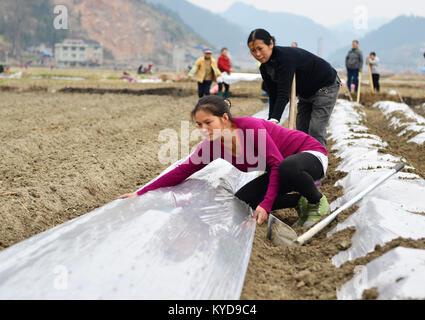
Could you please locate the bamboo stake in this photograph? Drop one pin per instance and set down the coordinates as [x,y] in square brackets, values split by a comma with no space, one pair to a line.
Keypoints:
[360,85]
[372,88]
[293,106]
[399,95]
[348,93]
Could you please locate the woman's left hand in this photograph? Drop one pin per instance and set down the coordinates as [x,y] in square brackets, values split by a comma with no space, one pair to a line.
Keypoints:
[260,215]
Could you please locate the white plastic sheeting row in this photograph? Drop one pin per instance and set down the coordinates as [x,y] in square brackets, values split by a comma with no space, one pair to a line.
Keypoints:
[191,241]
[412,122]
[398,274]
[236,77]
[389,212]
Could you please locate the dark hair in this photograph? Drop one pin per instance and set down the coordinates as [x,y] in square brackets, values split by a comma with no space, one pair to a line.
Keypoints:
[222,49]
[215,105]
[261,34]
[356,41]
[373,53]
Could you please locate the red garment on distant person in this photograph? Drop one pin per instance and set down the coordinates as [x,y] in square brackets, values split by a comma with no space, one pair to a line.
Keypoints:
[223,64]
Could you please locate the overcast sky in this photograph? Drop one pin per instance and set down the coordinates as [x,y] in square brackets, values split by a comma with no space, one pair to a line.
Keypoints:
[327,12]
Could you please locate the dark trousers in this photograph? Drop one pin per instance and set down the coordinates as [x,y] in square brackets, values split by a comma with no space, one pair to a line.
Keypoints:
[375,79]
[204,88]
[314,112]
[297,173]
[353,77]
[220,87]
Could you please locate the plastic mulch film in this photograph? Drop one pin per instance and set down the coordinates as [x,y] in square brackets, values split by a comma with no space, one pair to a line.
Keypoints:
[390,211]
[190,241]
[411,123]
[398,274]
[235,77]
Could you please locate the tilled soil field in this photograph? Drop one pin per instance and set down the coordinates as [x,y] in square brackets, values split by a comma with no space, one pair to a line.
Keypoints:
[68,149]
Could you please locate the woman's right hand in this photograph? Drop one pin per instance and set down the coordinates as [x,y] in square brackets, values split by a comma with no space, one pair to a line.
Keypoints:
[128,195]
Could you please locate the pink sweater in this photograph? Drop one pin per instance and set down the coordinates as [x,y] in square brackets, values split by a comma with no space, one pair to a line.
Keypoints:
[264,146]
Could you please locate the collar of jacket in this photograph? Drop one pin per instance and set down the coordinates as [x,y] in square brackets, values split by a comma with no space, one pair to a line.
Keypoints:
[211,59]
[272,58]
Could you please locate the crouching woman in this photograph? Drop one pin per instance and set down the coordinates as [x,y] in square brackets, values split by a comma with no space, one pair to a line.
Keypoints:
[291,159]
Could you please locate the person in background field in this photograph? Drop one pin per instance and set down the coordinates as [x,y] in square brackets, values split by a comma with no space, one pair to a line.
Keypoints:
[225,67]
[354,64]
[294,45]
[291,158]
[317,83]
[373,61]
[206,72]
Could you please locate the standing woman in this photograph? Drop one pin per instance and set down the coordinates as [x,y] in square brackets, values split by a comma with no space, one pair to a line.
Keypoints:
[225,67]
[206,72]
[292,160]
[317,83]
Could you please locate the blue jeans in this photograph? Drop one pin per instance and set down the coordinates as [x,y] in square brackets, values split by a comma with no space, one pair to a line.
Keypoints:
[353,74]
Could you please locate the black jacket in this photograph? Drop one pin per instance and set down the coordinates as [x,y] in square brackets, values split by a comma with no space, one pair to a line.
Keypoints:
[312,73]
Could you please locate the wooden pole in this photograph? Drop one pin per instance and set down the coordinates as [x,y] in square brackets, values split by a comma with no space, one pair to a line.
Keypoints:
[293,106]
[399,95]
[348,92]
[372,88]
[360,86]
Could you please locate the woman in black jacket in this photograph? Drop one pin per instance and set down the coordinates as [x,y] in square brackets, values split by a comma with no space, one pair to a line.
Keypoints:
[317,83]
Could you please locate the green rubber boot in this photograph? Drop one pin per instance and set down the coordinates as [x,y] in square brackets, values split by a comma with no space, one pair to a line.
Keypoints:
[301,208]
[220,93]
[226,95]
[316,211]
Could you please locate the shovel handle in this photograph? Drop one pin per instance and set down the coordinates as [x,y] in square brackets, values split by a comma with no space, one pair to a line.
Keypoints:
[319,226]
[399,166]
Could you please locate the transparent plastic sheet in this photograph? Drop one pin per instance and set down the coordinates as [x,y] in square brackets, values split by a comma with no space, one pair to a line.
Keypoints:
[388,212]
[177,243]
[398,274]
[190,241]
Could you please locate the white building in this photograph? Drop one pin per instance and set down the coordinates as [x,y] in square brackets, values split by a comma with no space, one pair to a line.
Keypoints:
[72,52]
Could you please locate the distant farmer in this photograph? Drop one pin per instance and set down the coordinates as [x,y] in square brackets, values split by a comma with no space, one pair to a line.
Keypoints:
[206,72]
[294,44]
[225,68]
[354,64]
[140,69]
[373,61]
[317,83]
[291,159]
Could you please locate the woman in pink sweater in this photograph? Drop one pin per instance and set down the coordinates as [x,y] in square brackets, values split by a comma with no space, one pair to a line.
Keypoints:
[291,159]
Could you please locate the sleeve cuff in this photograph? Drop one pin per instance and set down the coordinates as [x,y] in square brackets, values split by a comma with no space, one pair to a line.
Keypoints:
[265,207]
